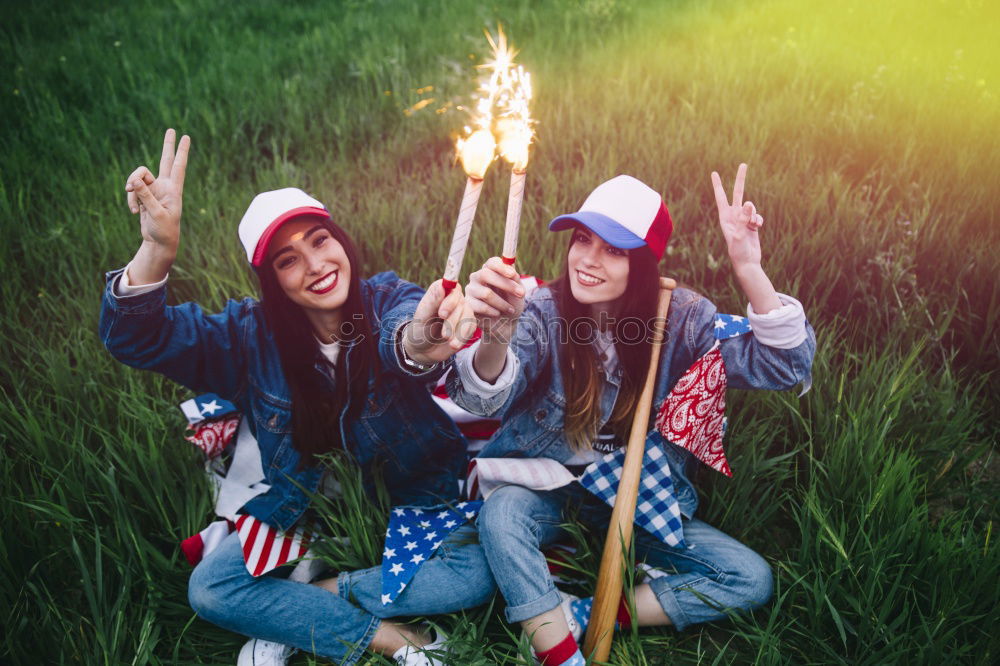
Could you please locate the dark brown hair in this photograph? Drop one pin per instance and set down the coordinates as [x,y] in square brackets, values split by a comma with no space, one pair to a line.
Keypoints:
[635,311]
[316,409]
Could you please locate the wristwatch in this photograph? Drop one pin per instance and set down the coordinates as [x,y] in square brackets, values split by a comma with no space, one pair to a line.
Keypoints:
[407,361]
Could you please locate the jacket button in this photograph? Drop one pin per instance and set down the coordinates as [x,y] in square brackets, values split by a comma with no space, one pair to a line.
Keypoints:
[541,414]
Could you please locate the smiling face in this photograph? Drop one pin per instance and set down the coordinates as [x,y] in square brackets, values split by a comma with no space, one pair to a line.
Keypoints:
[598,272]
[311,266]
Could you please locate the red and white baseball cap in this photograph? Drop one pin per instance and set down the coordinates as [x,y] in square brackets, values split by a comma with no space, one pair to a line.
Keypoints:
[626,213]
[268,211]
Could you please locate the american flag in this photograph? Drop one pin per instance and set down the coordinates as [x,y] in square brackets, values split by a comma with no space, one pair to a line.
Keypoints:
[693,415]
[264,547]
[411,539]
[730,326]
[207,406]
[488,474]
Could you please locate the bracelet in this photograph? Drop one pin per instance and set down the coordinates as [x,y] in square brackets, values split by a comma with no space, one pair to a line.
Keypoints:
[407,361]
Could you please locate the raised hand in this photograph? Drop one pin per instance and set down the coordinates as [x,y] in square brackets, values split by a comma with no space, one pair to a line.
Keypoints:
[158,204]
[739,221]
[496,298]
[441,325]
[158,200]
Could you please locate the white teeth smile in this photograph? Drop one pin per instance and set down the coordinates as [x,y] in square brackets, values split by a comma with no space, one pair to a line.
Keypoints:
[324,283]
[588,279]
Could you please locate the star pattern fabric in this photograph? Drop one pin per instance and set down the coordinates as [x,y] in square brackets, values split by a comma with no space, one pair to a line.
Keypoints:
[656,509]
[693,415]
[206,406]
[730,326]
[411,539]
[581,609]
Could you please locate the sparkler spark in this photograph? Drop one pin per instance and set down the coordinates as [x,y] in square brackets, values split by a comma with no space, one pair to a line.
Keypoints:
[476,153]
[502,106]
[501,110]
[509,94]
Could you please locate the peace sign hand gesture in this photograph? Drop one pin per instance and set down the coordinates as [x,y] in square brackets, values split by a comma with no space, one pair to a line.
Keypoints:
[158,200]
[739,221]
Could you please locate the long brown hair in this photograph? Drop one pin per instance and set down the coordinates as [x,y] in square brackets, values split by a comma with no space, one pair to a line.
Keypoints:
[631,331]
[315,409]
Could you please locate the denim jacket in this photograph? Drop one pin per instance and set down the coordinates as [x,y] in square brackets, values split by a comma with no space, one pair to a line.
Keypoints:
[533,407]
[400,433]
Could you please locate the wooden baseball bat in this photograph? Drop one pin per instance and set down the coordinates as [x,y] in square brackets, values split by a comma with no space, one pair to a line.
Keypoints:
[609,580]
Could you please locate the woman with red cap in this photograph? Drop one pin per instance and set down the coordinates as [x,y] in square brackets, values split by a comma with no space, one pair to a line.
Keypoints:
[564,371]
[325,362]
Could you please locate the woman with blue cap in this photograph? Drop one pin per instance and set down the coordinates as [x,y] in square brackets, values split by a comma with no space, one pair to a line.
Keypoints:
[564,369]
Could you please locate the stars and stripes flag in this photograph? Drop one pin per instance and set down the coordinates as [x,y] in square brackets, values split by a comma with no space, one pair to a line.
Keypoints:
[212,422]
[730,326]
[411,539]
[488,474]
[265,548]
[206,406]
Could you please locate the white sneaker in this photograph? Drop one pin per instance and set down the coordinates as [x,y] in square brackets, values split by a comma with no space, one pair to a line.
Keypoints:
[574,626]
[257,652]
[411,655]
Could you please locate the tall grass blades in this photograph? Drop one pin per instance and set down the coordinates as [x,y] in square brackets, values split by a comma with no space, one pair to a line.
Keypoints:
[871,134]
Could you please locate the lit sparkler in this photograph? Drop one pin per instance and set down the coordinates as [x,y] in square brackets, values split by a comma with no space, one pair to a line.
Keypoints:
[500,110]
[510,86]
[476,152]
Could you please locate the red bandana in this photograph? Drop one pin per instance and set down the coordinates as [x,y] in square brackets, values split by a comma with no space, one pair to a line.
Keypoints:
[693,415]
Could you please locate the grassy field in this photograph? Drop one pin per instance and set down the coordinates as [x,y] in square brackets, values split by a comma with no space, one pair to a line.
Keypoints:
[871,133]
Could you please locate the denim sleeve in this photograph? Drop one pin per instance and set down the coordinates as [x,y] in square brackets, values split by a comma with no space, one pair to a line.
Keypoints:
[202,352]
[531,347]
[393,303]
[751,364]
[472,382]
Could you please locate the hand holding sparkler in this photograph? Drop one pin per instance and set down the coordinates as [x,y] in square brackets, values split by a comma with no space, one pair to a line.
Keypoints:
[442,324]
[495,297]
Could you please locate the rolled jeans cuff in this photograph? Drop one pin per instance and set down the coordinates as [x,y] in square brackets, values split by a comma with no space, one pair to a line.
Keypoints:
[543,604]
[668,602]
[356,650]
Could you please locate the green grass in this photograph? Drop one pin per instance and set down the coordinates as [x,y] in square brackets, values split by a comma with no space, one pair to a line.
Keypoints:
[871,133]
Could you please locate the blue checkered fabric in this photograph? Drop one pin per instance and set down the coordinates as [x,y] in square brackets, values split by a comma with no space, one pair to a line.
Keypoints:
[730,326]
[656,509]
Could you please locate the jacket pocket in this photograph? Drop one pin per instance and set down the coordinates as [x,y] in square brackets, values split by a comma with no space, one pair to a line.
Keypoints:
[548,413]
[384,423]
[271,414]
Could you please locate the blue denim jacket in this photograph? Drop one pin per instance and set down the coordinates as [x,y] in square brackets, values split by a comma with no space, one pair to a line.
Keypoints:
[400,434]
[533,408]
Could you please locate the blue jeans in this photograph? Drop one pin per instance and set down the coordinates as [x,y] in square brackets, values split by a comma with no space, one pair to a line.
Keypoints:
[336,626]
[713,575]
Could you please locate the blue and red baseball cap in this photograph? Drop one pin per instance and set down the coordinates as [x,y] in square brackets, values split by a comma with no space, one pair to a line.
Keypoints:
[626,213]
